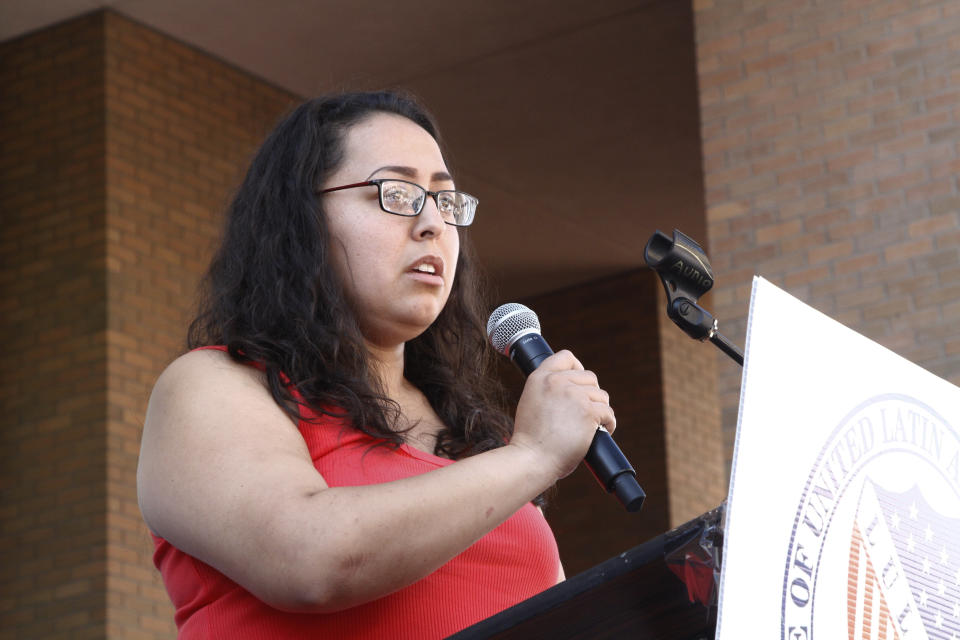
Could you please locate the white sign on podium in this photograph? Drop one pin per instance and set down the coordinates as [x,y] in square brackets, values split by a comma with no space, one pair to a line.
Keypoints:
[843,520]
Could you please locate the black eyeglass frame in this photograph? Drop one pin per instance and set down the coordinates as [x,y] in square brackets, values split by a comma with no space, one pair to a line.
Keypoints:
[377,182]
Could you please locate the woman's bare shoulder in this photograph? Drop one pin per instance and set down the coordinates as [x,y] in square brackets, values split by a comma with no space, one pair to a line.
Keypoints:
[206,374]
[204,363]
[219,458]
[207,394]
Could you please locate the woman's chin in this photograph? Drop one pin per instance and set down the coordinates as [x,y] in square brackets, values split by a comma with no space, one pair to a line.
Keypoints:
[400,329]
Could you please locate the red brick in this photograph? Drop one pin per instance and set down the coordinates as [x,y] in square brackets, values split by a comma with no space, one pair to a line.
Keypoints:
[840,24]
[885,45]
[752,185]
[745,87]
[902,79]
[899,182]
[751,221]
[848,125]
[775,162]
[806,276]
[891,144]
[869,68]
[828,183]
[814,221]
[928,191]
[790,40]
[872,101]
[915,18]
[887,309]
[932,226]
[804,241]
[719,145]
[877,170]
[725,211]
[874,135]
[906,250]
[765,31]
[934,157]
[800,174]
[947,169]
[944,133]
[853,229]
[947,100]
[800,105]
[825,116]
[731,42]
[823,149]
[861,297]
[774,129]
[814,50]
[856,263]
[747,120]
[770,96]
[768,63]
[895,114]
[809,203]
[926,122]
[720,77]
[754,255]
[829,252]
[775,232]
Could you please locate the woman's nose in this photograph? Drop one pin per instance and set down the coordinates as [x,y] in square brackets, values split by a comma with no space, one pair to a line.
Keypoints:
[429,223]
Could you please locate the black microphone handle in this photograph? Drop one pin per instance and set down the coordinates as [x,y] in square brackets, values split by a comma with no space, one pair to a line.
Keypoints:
[604,458]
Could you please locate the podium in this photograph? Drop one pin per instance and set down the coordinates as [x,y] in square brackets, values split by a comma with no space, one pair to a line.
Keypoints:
[665,588]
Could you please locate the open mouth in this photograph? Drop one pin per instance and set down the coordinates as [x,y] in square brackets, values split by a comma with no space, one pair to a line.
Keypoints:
[428,265]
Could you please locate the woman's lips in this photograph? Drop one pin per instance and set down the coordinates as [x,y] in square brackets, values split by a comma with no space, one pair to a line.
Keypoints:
[428,269]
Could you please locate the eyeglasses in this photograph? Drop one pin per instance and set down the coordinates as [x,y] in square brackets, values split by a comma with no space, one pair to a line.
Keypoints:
[403,198]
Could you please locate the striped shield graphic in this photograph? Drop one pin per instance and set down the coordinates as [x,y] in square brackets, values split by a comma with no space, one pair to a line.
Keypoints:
[903,578]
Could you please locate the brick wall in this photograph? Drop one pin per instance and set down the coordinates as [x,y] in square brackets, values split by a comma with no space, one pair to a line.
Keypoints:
[53,317]
[118,152]
[181,127]
[830,148]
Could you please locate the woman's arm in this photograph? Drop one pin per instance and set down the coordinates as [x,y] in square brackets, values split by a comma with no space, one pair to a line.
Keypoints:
[225,476]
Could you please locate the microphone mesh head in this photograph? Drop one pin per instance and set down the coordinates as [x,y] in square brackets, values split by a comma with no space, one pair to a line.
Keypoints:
[508,322]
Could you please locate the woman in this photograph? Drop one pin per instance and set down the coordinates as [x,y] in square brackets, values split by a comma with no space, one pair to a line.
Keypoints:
[336,465]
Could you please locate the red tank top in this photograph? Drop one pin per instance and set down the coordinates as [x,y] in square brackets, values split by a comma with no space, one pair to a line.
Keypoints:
[513,562]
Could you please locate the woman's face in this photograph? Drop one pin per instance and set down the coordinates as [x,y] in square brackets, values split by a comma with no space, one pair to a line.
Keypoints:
[396,271]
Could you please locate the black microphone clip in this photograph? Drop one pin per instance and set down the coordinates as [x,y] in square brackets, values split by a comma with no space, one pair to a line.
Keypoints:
[686,275]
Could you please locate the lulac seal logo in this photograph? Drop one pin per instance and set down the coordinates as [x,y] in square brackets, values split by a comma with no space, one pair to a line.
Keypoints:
[875,548]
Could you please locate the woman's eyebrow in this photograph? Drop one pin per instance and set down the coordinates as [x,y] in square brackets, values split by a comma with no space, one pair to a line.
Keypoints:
[410,172]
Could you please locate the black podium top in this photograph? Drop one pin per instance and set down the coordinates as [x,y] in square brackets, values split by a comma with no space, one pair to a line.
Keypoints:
[665,588]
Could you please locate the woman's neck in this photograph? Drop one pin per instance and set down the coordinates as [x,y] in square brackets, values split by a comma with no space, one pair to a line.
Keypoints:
[418,420]
[386,363]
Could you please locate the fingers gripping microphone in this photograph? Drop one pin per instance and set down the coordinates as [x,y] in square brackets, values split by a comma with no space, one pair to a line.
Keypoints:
[514,331]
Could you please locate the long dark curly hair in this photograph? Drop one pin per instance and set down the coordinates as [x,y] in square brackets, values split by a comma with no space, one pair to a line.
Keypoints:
[271,296]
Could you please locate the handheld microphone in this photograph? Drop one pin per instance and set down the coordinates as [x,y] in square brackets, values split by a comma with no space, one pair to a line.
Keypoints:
[514,331]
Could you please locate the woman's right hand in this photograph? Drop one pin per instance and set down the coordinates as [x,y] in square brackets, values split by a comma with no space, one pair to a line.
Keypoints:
[561,407]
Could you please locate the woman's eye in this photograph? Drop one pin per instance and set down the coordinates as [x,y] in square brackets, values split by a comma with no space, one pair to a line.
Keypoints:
[395,195]
[446,205]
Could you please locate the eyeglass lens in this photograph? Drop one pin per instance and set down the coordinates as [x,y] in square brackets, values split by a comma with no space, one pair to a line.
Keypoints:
[406,199]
